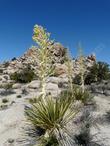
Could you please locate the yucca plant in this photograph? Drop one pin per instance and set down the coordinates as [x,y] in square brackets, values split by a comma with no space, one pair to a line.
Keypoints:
[84,96]
[50,114]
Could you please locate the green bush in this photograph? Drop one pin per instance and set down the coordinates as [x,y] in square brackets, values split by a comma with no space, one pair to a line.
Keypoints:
[76,94]
[85,96]
[98,72]
[19,96]
[24,76]
[77,79]
[8,86]
[4,100]
[1,70]
[6,64]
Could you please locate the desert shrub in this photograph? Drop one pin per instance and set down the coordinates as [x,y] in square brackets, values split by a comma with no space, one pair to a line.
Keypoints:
[3,107]
[77,79]
[4,100]
[8,89]
[24,76]
[85,96]
[6,64]
[19,96]
[8,86]
[98,72]
[13,59]
[84,136]
[76,94]
[1,71]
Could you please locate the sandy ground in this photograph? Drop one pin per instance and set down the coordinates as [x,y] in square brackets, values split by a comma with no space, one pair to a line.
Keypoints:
[102,132]
[12,120]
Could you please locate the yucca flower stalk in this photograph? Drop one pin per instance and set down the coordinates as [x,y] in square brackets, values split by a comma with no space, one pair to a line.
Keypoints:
[69,65]
[42,38]
[81,66]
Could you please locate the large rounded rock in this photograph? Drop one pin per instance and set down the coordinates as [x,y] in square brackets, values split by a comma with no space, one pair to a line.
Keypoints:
[60,69]
[34,84]
[107,92]
[54,80]
[51,86]
[2,90]
[52,89]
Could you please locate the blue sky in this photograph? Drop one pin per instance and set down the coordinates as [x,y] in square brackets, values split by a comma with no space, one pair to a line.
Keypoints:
[69,21]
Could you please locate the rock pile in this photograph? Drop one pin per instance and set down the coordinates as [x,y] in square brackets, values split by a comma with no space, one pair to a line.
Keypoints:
[31,58]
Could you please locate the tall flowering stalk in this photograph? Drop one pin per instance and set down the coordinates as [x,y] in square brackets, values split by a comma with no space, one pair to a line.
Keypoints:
[82,67]
[42,38]
[69,65]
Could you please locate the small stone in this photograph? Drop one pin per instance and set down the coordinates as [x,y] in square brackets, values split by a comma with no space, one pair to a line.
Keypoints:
[6,77]
[16,86]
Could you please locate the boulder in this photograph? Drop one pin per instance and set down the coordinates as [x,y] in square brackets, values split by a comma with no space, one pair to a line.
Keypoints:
[6,77]
[34,84]
[52,89]
[52,86]
[60,69]
[107,92]
[53,80]
[58,50]
[2,90]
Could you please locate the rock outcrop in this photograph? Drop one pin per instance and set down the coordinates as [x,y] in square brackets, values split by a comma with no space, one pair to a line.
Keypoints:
[30,57]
